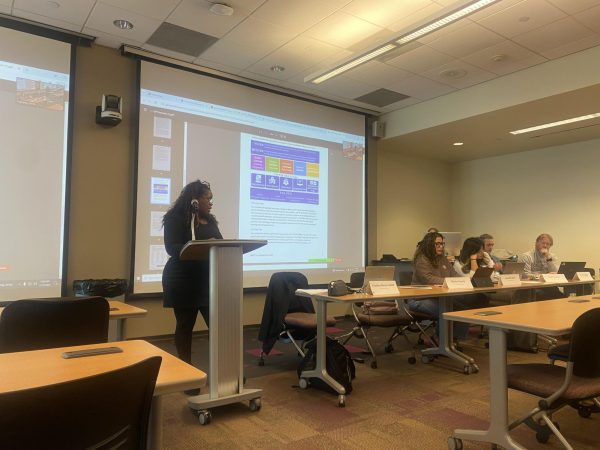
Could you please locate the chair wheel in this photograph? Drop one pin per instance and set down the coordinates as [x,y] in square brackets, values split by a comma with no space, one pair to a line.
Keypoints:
[426,359]
[303,383]
[373,364]
[420,341]
[341,400]
[204,417]
[255,404]
[261,362]
[455,443]
[389,348]
[584,411]
[412,360]
[542,436]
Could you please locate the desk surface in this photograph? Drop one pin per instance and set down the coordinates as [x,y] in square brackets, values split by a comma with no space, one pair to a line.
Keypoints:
[549,317]
[23,370]
[433,291]
[119,310]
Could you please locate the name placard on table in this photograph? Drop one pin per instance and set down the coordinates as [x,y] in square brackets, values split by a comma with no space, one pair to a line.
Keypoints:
[554,278]
[509,280]
[382,288]
[583,276]
[457,283]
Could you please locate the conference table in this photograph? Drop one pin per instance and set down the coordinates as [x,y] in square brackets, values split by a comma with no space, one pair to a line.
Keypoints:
[25,370]
[445,346]
[549,317]
[118,312]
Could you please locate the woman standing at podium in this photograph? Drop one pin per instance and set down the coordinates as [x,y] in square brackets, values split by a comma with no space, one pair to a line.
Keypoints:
[186,283]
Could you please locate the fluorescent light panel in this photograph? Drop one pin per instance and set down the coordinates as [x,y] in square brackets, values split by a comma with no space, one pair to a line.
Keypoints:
[556,124]
[452,17]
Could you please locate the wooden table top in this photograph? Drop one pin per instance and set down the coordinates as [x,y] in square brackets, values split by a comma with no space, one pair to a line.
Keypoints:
[549,317]
[432,291]
[23,370]
[119,310]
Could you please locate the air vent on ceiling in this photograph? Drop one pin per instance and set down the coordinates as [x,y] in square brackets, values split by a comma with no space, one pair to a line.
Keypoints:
[381,97]
[182,40]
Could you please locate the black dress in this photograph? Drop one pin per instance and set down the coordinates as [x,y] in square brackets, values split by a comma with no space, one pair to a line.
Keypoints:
[185,283]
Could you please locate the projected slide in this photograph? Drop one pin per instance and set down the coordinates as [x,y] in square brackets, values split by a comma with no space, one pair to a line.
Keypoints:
[281,169]
[34,98]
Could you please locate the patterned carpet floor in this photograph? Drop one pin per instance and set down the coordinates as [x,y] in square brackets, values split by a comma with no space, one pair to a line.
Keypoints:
[396,406]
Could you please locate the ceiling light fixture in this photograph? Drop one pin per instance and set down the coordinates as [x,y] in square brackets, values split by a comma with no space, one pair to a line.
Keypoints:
[277,68]
[123,24]
[458,144]
[221,9]
[556,124]
[448,18]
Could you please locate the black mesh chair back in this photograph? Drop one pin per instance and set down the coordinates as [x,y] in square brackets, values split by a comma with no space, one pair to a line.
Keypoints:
[36,324]
[357,279]
[585,347]
[106,411]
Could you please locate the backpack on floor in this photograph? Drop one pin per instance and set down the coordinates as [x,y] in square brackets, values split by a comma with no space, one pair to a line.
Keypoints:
[338,362]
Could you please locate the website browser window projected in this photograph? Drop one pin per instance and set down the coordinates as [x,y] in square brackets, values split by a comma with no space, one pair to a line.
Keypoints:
[281,169]
[34,100]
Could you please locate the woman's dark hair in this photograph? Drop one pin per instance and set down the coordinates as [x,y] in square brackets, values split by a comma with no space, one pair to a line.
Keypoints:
[183,204]
[427,248]
[471,246]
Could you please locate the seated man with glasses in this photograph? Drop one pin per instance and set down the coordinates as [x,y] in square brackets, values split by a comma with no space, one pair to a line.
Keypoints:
[431,267]
[539,261]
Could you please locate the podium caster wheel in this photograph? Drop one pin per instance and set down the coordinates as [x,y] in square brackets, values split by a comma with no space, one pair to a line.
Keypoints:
[341,400]
[303,383]
[204,417]
[255,404]
[454,443]
[412,360]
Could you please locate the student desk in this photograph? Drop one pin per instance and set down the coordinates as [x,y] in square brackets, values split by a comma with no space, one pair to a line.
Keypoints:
[118,312]
[550,317]
[24,370]
[446,343]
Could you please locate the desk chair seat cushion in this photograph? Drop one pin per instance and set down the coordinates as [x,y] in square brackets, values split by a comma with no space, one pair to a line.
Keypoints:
[304,320]
[383,320]
[559,352]
[543,380]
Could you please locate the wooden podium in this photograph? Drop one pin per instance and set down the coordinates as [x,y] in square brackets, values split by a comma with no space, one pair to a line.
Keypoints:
[225,374]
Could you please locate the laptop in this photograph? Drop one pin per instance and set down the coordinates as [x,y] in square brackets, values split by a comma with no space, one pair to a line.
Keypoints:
[513,267]
[568,268]
[378,273]
[483,277]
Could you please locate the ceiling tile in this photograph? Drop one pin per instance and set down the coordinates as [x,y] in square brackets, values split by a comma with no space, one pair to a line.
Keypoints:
[216,66]
[342,30]
[384,12]
[553,35]
[110,40]
[401,104]
[195,15]
[271,36]
[297,16]
[522,17]
[233,54]
[5,9]
[48,20]
[407,23]
[420,59]
[297,55]
[573,46]
[103,15]
[169,53]
[466,40]
[345,87]
[493,9]
[71,11]
[503,58]
[6,3]
[421,87]
[574,6]
[590,18]
[156,9]
[377,74]
[459,74]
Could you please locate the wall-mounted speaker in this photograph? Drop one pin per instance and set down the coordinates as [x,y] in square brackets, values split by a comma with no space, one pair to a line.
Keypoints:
[378,129]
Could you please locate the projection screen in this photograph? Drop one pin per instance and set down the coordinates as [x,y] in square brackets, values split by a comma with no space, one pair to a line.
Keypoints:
[281,169]
[34,105]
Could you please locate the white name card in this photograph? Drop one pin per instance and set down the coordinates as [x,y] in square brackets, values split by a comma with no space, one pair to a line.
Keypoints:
[383,288]
[509,280]
[457,283]
[583,276]
[554,278]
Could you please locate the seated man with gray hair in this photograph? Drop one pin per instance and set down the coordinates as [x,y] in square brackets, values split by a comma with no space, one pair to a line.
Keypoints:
[539,261]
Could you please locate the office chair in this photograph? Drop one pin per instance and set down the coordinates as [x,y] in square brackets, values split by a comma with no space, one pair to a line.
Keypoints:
[36,324]
[105,411]
[287,316]
[385,314]
[559,386]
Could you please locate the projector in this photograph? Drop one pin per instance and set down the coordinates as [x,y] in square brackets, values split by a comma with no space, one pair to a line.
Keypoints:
[109,113]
